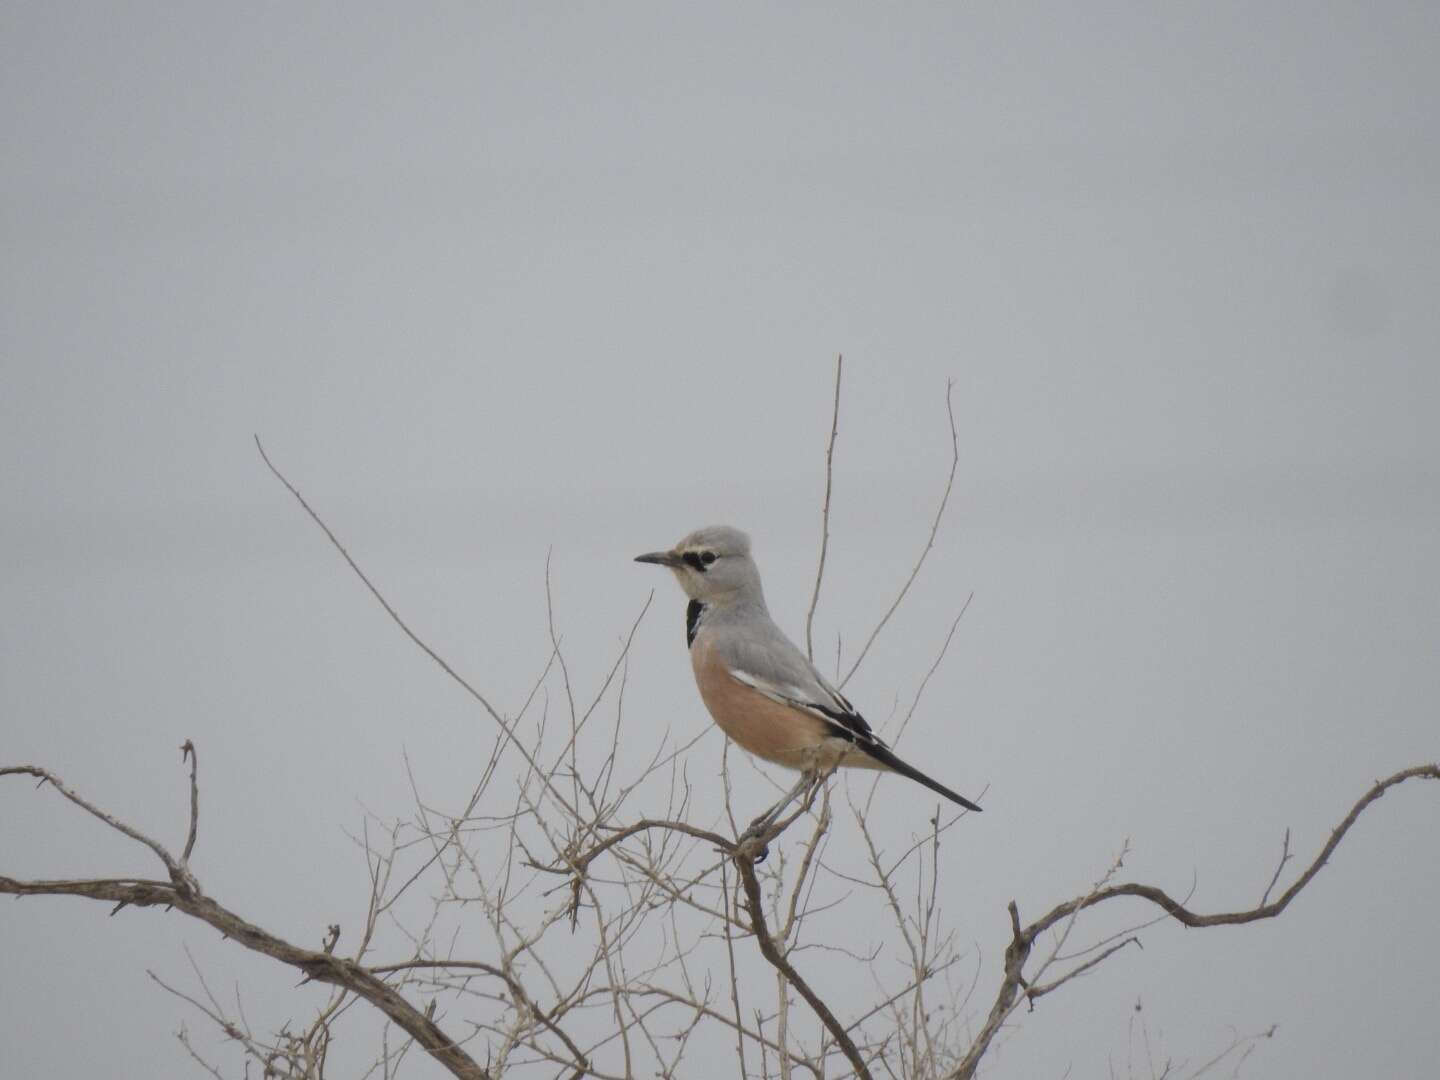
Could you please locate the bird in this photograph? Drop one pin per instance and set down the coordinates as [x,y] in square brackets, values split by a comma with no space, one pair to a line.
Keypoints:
[761,690]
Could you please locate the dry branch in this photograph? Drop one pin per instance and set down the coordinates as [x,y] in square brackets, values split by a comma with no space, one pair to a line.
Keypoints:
[183,893]
[929,542]
[1023,939]
[825,512]
[564,818]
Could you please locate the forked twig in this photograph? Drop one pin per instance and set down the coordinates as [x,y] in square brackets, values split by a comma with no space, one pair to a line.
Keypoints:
[1285,857]
[1023,939]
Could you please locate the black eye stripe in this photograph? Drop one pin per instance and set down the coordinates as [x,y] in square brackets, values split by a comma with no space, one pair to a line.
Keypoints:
[699,560]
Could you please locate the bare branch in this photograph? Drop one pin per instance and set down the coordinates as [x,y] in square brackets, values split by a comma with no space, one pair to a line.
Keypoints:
[1264,911]
[1244,1043]
[181,893]
[395,617]
[179,876]
[756,907]
[929,541]
[1041,990]
[632,987]
[1022,940]
[1284,858]
[825,512]
[735,983]
[183,1037]
[187,750]
[582,862]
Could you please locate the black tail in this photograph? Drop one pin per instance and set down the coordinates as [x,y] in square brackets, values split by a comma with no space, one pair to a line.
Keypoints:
[883,755]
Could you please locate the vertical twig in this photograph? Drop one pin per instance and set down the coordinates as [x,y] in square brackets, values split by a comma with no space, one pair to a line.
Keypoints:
[824,512]
[746,865]
[734,982]
[187,752]
[1284,858]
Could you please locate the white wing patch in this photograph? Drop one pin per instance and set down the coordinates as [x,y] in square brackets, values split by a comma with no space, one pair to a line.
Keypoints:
[838,713]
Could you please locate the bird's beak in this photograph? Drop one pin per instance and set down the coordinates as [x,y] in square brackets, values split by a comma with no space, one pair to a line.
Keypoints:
[661,558]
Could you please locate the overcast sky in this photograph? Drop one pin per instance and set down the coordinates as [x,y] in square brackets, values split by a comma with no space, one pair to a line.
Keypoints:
[492,281]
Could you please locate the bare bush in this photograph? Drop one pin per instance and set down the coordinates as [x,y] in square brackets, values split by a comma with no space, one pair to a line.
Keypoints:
[567,917]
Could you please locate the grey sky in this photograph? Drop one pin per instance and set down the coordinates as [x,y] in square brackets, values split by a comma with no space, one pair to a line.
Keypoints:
[495,280]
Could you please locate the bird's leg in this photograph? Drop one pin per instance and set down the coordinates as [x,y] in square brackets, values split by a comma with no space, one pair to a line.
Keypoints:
[762,824]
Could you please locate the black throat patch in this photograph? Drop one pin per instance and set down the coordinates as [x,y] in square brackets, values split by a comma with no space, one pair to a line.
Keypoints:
[692,621]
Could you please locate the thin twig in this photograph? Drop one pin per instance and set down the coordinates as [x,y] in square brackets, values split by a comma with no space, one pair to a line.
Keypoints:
[1039,991]
[825,511]
[756,907]
[1246,1041]
[178,874]
[415,638]
[929,540]
[187,750]
[184,1038]
[920,691]
[1284,858]
[734,981]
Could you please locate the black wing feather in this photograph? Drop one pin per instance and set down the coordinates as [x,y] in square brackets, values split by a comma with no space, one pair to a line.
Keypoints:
[852,727]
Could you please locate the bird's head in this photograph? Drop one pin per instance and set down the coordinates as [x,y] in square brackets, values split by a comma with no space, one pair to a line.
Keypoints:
[713,565]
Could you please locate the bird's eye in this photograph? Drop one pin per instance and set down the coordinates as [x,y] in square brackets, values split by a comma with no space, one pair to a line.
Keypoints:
[707,557]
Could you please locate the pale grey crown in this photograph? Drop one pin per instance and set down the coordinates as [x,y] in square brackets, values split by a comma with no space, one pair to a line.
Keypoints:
[720,539]
[713,566]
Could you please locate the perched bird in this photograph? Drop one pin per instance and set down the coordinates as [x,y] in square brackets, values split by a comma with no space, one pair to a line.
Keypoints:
[762,690]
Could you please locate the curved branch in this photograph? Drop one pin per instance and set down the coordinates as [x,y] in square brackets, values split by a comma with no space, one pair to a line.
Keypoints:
[189,753]
[322,967]
[1023,939]
[744,853]
[756,906]
[178,875]
[1189,918]
[184,894]
[582,862]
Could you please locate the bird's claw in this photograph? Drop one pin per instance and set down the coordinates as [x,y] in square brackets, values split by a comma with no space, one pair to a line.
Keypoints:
[752,841]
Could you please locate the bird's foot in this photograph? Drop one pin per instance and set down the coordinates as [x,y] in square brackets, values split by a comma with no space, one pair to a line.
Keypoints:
[753,841]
